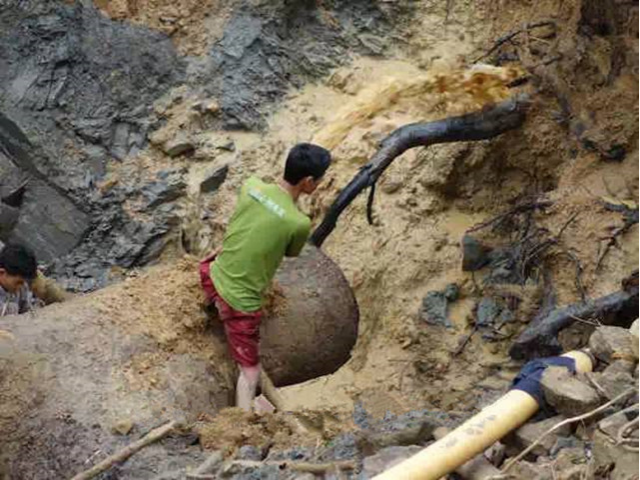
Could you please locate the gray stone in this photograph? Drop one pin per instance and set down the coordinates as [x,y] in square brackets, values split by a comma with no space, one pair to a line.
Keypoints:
[613,382]
[488,312]
[249,470]
[563,443]
[169,186]
[566,393]
[49,223]
[385,459]
[214,179]
[529,471]
[179,145]
[606,453]
[435,305]
[610,343]
[529,433]
[611,424]
[43,219]
[80,113]
[620,366]
[249,452]
[475,255]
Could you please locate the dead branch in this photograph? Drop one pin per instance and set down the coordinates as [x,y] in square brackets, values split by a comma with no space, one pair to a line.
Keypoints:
[465,341]
[630,217]
[273,395]
[307,467]
[482,125]
[612,240]
[524,207]
[510,36]
[122,455]
[568,421]
[623,440]
[539,339]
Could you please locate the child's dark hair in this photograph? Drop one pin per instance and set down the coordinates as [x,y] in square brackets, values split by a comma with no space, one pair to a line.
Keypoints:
[306,160]
[19,260]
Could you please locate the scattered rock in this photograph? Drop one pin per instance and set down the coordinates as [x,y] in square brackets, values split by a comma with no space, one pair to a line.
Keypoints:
[528,470]
[123,427]
[385,459]
[412,428]
[249,452]
[606,454]
[610,343]
[169,186]
[571,464]
[214,180]
[566,443]
[612,424]
[488,312]
[475,255]
[566,393]
[240,470]
[613,381]
[435,305]
[179,145]
[530,432]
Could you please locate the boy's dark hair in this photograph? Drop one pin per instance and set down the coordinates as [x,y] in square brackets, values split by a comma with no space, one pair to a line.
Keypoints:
[306,160]
[19,260]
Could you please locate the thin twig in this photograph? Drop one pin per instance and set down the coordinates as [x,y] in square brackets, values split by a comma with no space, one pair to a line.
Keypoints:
[517,209]
[622,440]
[596,385]
[308,467]
[269,390]
[465,341]
[122,455]
[591,413]
[595,323]
[509,36]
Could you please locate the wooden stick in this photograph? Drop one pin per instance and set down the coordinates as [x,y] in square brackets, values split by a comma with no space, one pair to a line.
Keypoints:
[321,467]
[307,467]
[122,455]
[271,392]
[273,395]
[591,413]
[206,468]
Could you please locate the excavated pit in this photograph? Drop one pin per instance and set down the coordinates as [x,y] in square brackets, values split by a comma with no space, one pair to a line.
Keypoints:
[577,150]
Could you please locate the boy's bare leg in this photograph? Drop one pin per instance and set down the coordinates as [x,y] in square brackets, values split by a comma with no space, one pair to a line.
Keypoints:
[247,386]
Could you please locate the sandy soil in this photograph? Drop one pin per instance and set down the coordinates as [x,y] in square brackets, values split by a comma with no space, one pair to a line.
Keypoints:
[430,197]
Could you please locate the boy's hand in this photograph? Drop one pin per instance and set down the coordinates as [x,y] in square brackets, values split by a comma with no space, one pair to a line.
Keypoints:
[211,255]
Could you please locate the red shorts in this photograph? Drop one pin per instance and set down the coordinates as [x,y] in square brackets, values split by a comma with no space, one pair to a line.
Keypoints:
[242,328]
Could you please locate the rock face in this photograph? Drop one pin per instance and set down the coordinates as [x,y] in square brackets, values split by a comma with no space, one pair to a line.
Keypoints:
[75,377]
[77,93]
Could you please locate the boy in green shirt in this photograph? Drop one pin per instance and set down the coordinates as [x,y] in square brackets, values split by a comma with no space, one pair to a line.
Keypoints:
[265,227]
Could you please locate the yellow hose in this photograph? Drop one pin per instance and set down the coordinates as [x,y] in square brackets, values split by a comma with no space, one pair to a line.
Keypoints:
[475,435]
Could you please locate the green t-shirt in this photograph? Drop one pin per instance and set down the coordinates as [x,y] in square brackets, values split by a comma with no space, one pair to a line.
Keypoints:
[265,227]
